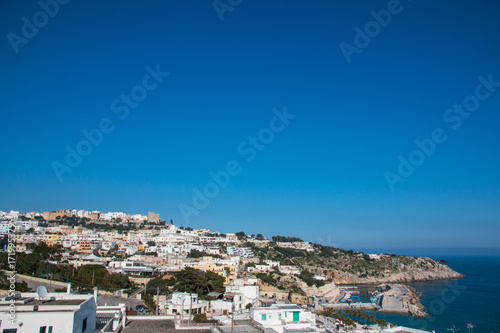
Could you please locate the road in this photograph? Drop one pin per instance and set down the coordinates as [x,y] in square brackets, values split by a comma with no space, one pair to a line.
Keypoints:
[35,284]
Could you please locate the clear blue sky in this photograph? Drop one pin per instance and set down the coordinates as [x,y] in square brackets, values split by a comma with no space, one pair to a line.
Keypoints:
[323,177]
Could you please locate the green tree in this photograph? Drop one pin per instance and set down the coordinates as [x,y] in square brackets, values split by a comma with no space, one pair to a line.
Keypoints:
[195,281]
[286,239]
[96,275]
[241,235]
[158,282]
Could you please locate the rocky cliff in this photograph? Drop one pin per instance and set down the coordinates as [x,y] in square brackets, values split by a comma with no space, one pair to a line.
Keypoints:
[351,267]
[424,269]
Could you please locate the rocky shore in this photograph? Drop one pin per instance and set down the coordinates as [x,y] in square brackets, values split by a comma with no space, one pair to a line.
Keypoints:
[399,298]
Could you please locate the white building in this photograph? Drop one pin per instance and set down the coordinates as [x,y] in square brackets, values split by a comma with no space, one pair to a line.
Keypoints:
[284,318]
[55,313]
[130,249]
[290,270]
[249,289]
[184,299]
[31,215]
[138,217]
[403,329]
[131,267]
[272,263]
[108,245]
[244,252]
[113,215]
[80,213]
[259,268]
[183,304]
[4,228]
[232,238]
[209,240]
[374,256]
[13,215]
[231,302]
[213,250]
[306,246]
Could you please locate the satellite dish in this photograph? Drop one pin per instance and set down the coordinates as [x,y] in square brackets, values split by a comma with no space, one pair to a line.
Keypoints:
[41,291]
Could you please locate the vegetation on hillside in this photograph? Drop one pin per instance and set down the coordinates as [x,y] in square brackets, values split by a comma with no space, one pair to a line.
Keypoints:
[188,280]
[286,239]
[333,262]
[37,264]
[5,284]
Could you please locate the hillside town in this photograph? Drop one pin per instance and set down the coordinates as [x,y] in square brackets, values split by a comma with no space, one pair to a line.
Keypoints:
[155,268]
[159,248]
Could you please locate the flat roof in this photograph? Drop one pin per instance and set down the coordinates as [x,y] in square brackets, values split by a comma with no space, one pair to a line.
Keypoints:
[167,326]
[289,307]
[28,301]
[57,302]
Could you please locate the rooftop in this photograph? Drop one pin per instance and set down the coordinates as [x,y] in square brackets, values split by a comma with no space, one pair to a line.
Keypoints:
[156,326]
[26,301]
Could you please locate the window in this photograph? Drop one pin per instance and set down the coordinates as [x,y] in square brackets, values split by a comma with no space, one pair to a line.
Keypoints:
[263,317]
[43,329]
[279,317]
[50,329]
[84,326]
[10,330]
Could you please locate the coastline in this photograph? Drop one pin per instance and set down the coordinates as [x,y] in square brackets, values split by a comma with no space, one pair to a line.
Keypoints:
[401,299]
[404,277]
[459,276]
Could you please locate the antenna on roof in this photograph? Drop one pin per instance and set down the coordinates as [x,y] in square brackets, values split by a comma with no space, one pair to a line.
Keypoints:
[41,291]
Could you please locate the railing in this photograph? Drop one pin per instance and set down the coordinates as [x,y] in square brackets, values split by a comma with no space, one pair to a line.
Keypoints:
[215,329]
[136,292]
[107,327]
[180,324]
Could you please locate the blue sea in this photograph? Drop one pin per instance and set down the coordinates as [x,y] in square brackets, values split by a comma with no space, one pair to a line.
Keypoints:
[474,299]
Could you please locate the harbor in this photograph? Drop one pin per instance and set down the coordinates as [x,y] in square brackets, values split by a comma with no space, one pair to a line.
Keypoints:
[389,298]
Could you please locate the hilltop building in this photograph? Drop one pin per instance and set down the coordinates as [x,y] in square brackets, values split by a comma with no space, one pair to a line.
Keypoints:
[48,216]
[152,217]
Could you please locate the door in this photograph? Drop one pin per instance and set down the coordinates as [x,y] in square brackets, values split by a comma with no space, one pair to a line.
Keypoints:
[296,316]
